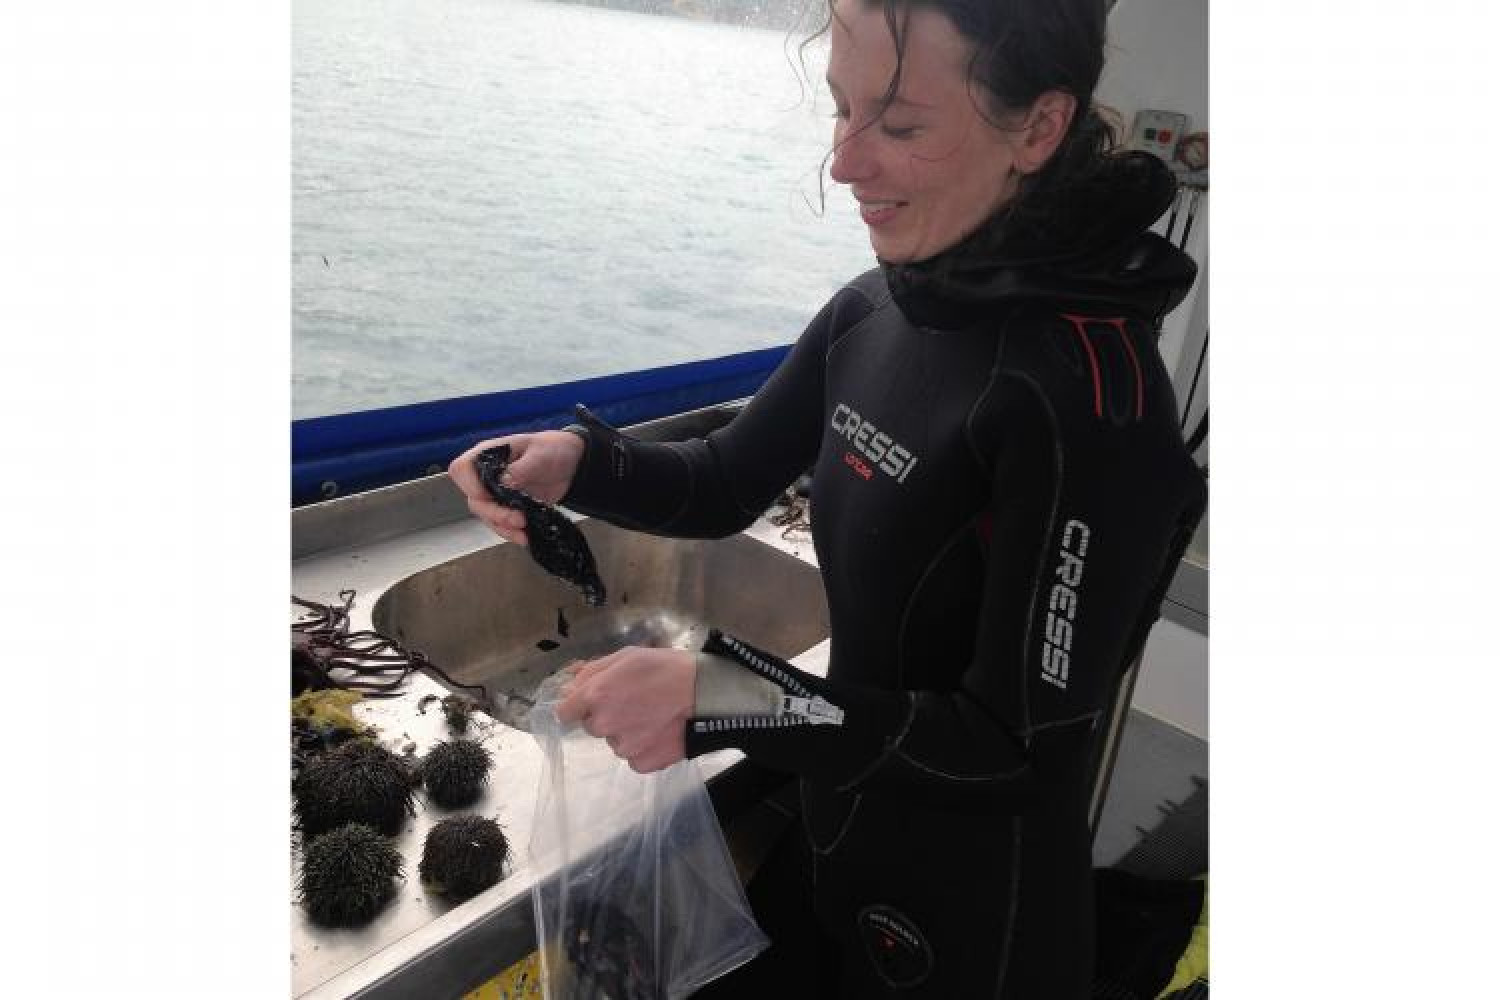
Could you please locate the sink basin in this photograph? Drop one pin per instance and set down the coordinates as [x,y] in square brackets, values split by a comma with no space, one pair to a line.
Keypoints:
[495,618]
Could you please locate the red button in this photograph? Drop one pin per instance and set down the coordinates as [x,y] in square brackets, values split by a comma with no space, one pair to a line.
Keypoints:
[1165,135]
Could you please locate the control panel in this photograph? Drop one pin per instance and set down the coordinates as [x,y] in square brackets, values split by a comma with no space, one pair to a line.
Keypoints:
[1157,132]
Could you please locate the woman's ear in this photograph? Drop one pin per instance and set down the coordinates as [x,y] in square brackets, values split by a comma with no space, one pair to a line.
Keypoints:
[1043,129]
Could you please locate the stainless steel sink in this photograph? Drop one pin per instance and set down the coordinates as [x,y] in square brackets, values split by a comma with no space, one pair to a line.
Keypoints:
[492,617]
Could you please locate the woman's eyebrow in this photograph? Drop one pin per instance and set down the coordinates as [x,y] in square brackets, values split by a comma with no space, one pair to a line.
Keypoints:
[896,101]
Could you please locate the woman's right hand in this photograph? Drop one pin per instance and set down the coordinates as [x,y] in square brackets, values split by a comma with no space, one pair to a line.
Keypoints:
[542,465]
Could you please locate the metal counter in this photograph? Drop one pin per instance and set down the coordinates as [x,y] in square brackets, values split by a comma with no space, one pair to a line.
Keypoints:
[420,945]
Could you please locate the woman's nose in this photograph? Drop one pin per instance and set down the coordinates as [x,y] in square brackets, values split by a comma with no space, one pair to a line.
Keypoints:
[852,162]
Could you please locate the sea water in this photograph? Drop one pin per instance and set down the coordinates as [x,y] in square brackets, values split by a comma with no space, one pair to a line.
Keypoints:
[490,194]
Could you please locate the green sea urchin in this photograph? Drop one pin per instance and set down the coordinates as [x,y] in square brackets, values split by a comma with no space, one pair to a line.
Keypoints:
[309,739]
[455,773]
[463,856]
[356,782]
[348,874]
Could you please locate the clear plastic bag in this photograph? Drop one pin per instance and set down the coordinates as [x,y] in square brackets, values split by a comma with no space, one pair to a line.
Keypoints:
[645,903]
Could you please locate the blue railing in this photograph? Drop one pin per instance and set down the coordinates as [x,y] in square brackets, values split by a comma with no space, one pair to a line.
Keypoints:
[352,452]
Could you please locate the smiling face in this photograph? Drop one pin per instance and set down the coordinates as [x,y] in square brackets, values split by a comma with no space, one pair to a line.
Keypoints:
[926,168]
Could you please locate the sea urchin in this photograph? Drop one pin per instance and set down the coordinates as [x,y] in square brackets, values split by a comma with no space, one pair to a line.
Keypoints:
[463,856]
[348,874]
[356,782]
[455,773]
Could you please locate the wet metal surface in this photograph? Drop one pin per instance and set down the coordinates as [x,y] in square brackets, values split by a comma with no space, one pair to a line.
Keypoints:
[479,607]
[493,618]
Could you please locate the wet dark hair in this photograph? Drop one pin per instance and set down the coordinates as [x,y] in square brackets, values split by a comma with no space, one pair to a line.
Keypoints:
[1022,49]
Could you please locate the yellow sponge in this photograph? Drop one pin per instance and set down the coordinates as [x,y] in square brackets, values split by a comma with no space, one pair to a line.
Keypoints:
[1193,964]
[328,708]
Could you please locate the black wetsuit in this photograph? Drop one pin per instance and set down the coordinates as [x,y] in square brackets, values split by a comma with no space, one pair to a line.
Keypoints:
[1000,496]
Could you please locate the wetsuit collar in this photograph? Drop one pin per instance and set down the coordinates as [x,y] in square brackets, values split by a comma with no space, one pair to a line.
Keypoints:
[1094,247]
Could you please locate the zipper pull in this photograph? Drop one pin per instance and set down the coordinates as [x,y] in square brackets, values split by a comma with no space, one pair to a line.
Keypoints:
[815,710]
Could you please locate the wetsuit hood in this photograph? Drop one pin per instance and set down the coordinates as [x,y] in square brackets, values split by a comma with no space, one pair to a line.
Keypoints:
[1092,245]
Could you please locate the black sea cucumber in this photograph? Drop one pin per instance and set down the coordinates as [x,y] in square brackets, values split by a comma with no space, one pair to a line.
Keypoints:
[555,542]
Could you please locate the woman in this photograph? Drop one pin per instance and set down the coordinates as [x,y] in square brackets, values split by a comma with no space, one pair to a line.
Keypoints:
[1000,495]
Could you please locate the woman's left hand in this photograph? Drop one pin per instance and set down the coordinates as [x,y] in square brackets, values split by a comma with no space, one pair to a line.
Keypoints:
[638,699]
